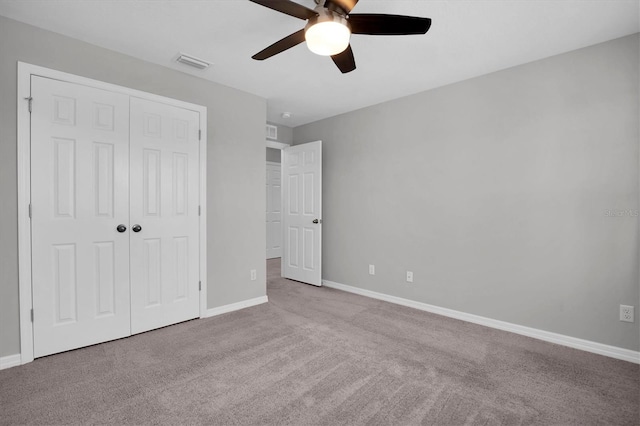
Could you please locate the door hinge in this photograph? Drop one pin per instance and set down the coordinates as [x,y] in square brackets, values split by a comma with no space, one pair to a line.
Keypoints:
[31,315]
[199,134]
[30,100]
[198,210]
[199,285]
[29,211]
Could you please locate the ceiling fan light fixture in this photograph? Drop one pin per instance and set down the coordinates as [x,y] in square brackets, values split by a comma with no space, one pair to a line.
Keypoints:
[327,34]
[330,25]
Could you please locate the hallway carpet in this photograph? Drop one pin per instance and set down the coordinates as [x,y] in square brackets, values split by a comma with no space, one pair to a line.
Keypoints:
[322,356]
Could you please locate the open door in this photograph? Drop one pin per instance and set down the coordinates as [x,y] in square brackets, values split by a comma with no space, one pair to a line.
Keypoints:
[302,213]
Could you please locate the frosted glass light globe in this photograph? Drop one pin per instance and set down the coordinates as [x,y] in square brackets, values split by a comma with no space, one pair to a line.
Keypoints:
[327,38]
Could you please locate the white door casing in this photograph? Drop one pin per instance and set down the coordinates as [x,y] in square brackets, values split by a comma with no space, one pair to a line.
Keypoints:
[80,194]
[164,204]
[302,213]
[274,210]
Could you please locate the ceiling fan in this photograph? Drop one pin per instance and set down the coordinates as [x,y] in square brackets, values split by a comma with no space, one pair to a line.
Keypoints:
[330,25]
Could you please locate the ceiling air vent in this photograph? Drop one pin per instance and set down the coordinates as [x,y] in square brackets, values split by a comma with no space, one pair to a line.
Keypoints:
[192,62]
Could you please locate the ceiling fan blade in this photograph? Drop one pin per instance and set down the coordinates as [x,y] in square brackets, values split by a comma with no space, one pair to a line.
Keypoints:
[288,7]
[280,46]
[345,5]
[380,24]
[345,60]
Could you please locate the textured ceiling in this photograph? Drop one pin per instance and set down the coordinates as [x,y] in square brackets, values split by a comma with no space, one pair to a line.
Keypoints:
[466,39]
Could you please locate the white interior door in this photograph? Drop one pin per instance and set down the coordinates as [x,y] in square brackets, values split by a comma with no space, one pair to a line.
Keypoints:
[79,196]
[302,215]
[274,211]
[164,204]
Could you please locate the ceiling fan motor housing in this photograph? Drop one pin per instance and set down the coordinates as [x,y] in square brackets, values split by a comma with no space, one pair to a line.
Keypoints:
[326,15]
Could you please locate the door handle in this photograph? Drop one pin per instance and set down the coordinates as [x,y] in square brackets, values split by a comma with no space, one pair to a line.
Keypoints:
[136,228]
[317,221]
[121,228]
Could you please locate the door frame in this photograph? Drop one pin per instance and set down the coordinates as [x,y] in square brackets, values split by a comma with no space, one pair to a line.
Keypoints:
[25,71]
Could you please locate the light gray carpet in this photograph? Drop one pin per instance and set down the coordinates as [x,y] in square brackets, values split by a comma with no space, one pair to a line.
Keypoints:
[322,356]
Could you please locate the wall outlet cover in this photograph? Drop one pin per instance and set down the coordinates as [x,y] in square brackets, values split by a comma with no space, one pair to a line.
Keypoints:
[626,313]
[409,276]
[253,275]
[372,269]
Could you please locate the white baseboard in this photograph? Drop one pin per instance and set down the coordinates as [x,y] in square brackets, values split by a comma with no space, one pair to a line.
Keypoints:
[14,360]
[10,361]
[235,306]
[547,336]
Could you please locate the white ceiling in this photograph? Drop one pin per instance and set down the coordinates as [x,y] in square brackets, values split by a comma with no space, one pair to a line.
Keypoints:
[466,39]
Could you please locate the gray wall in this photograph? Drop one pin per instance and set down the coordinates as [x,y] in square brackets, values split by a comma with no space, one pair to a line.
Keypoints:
[285,135]
[235,162]
[494,192]
[273,155]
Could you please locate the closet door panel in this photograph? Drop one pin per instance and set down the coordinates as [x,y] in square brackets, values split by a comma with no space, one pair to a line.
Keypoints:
[79,196]
[164,158]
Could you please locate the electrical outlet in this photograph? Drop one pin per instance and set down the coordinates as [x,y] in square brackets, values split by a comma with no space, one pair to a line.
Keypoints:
[253,275]
[372,269]
[409,276]
[626,313]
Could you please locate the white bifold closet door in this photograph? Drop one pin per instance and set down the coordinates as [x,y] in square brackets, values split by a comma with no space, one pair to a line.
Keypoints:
[100,160]
[274,211]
